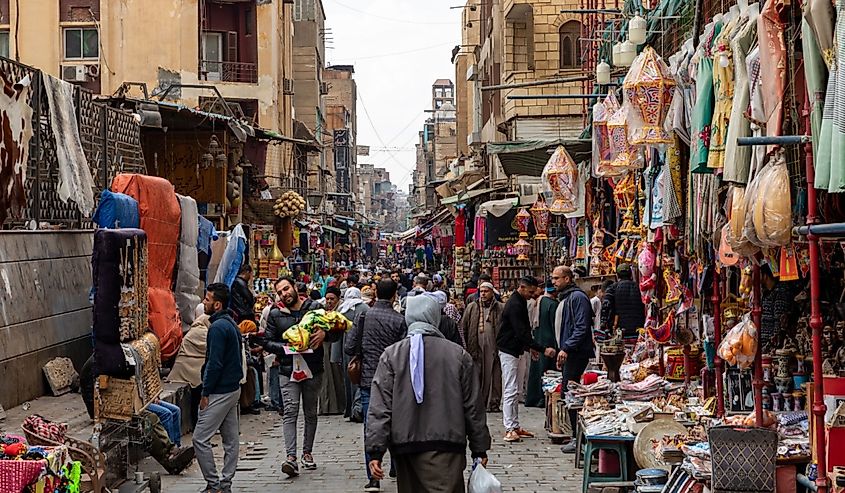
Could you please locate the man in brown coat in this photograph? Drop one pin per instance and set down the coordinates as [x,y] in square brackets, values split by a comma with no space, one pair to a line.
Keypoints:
[480,326]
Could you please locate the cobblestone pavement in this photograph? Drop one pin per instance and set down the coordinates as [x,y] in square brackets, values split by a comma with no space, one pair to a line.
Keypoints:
[531,466]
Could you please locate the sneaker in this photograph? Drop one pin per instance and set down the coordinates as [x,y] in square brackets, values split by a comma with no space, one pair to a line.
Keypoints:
[308,462]
[512,436]
[523,433]
[569,448]
[290,467]
[373,485]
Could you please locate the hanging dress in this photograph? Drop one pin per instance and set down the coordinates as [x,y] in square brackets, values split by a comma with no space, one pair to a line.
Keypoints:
[738,158]
[837,127]
[723,89]
[702,115]
[773,66]
[819,18]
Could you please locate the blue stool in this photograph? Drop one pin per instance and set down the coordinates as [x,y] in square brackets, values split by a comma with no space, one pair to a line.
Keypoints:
[618,445]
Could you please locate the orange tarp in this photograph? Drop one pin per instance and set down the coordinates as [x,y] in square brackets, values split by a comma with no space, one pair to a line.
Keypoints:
[161,220]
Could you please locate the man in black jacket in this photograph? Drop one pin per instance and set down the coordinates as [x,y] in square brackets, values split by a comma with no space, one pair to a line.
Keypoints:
[381,326]
[242,300]
[622,306]
[513,339]
[283,316]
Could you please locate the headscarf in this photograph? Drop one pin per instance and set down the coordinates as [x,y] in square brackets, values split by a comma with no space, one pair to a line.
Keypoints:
[351,299]
[487,285]
[422,315]
[247,327]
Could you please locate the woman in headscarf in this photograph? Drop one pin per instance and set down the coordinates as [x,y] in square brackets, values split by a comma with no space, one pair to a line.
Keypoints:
[352,307]
[332,392]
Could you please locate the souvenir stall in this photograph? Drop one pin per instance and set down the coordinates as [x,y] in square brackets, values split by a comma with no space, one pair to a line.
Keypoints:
[706,168]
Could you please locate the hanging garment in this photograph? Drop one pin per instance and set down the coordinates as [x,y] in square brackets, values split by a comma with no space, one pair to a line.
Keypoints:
[461,228]
[738,158]
[773,65]
[479,234]
[672,182]
[837,130]
[755,112]
[723,89]
[16,116]
[75,179]
[188,271]
[702,115]
[815,71]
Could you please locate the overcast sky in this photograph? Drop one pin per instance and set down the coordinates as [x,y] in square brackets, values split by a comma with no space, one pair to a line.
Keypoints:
[399,48]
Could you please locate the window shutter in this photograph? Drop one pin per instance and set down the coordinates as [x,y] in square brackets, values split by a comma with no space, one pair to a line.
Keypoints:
[232,46]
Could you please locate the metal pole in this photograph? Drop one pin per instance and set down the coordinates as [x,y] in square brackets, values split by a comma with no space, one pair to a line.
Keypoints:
[816,321]
[756,316]
[716,298]
[561,80]
[819,230]
[556,96]
[780,140]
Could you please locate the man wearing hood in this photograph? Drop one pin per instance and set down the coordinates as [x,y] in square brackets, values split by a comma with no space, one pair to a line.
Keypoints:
[429,383]
[574,322]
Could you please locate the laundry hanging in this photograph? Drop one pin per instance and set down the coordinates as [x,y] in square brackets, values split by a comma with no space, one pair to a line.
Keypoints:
[16,118]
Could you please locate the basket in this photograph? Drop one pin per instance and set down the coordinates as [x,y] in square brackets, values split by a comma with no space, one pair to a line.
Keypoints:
[743,459]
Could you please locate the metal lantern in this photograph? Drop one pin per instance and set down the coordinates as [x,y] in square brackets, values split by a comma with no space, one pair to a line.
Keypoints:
[522,249]
[637,30]
[541,215]
[523,217]
[648,88]
[562,175]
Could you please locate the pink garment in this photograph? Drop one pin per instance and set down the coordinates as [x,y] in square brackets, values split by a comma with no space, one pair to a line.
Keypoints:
[772,65]
[478,235]
[460,229]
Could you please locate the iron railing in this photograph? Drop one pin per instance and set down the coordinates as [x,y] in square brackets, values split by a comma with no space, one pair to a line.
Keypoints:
[229,71]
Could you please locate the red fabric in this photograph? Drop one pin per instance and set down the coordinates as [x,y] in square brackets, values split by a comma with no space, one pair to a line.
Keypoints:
[161,219]
[461,229]
[15,475]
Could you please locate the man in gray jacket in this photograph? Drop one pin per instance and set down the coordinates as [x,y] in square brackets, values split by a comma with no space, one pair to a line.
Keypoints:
[435,422]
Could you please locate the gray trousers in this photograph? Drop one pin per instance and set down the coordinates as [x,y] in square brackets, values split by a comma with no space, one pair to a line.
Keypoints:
[431,472]
[221,414]
[308,392]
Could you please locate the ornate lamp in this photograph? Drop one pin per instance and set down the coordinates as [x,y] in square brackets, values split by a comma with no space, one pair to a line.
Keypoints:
[523,217]
[602,144]
[648,88]
[622,152]
[540,213]
[522,249]
[562,174]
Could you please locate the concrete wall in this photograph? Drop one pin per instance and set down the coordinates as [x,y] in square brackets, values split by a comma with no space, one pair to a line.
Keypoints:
[45,278]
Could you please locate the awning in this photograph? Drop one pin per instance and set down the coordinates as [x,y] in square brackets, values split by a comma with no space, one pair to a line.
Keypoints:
[497,208]
[345,219]
[334,230]
[530,157]
[465,196]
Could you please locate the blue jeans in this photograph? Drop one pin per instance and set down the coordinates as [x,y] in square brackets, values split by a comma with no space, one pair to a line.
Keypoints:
[365,407]
[171,419]
[275,388]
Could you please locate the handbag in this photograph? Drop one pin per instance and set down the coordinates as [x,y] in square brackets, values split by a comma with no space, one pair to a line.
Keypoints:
[353,369]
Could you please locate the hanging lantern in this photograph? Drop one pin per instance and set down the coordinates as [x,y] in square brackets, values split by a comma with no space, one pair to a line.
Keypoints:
[523,217]
[627,53]
[207,160]
[522,249]
[637,28]
[616,58]
[624,154]
[603,152]
[603,73]
[562,175]
[648,88]
[540,213]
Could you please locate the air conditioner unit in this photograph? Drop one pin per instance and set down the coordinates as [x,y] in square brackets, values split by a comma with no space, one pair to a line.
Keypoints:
[324,88]
[75,73]
[287,86]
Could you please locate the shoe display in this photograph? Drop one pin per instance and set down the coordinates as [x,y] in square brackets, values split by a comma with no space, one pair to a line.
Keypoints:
[373,485]
[512,436]
[523,433]
[308,462]
[290,467]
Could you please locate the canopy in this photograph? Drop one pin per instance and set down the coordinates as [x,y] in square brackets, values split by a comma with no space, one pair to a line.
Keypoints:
[334,230]
[529,157]
[464,196]
[497,208]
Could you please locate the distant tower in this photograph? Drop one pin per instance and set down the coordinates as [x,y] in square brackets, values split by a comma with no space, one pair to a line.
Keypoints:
[442,92]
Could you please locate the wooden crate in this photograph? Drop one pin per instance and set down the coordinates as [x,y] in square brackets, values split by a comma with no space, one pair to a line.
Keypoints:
[119,399]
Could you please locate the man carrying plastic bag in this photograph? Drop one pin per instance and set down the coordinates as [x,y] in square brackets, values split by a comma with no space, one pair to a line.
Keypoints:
[424,406]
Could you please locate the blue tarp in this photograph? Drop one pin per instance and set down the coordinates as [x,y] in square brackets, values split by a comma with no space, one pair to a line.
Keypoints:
[117,210]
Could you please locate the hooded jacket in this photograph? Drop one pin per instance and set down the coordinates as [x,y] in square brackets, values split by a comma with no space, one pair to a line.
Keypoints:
[576,322]
[375,330]
[448,417]
[280,320]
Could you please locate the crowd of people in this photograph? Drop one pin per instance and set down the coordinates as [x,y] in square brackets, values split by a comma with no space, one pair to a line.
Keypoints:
[420,368]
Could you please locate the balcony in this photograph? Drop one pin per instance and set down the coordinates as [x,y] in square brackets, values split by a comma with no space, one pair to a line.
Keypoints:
[241,72]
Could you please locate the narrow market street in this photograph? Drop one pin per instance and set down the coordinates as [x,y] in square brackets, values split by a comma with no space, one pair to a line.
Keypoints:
[530,466]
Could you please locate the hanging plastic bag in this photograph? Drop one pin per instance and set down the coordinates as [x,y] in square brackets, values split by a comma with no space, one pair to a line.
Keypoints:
[740,344]
[772,212]
[300,372]
[482,481]
[746,239]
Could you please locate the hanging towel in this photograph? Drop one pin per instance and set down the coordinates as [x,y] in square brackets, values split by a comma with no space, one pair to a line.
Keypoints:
[16,116]
[75,179]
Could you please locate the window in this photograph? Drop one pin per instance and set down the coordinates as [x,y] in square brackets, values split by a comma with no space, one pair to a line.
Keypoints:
[212,55]
[4,44]
[82,43]
[570,33]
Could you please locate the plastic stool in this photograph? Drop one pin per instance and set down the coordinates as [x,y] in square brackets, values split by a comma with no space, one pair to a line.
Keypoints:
[594,446]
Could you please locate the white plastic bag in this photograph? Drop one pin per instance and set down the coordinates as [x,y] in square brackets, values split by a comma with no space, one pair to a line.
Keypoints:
[482,481]
[300,372]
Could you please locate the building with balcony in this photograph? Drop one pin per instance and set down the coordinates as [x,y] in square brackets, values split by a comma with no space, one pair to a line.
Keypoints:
[437,145]
[341,123]
[244,49]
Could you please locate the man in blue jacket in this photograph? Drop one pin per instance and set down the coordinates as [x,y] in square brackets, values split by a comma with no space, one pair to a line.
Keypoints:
[221,391]
[575,319]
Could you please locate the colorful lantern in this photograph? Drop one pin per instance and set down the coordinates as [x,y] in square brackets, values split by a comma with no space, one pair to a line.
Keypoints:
[603,150]
[625,155]
[648,88]
[523,217]
[562,176]
[540,213]
[522,249]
